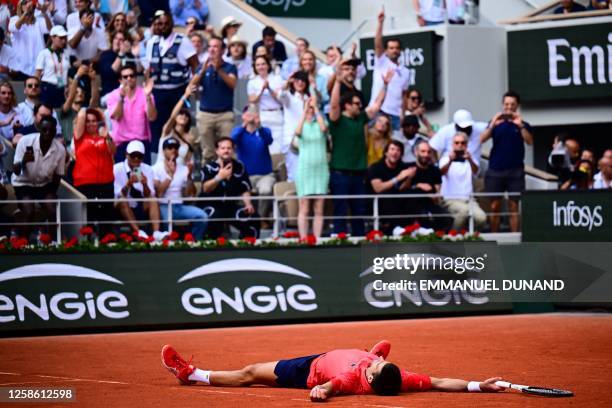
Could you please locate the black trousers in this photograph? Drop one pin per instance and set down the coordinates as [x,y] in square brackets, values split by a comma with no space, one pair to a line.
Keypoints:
[238,218]
[100,212]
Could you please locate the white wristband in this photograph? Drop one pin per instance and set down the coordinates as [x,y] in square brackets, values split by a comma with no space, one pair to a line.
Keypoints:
[474,386]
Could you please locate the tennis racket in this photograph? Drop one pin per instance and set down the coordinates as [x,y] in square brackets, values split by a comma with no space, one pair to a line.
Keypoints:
[534,390]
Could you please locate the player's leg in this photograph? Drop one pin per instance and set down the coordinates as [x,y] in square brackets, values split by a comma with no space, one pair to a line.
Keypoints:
[253,374]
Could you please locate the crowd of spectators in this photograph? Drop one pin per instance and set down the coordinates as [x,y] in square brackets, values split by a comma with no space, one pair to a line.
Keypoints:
[130,110]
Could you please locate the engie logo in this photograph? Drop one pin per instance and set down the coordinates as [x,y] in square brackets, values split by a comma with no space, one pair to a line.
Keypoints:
[63,305]
[571,215]
[248,297]
[378,295]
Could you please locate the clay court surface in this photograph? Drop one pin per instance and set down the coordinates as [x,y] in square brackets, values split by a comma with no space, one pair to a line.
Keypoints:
[120,370]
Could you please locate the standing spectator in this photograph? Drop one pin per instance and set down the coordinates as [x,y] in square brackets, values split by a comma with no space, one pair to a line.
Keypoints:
[333,57]
[378,137]
[274,47]
[295,93]
[131,108]
[349,156]
[169,58]
[134,180]
[237,55]
[569,6]
[86,34]
[183,9]
[178,127]
[149,9]
[264,90]
[414,105]
[27,33]
[112,8]
[93,168]
[216,116]
[200,45]
[38,164]
[73,104]
[506,163]
[173,183]
[581,178]
[41,110]
[457,169]
[112,60]
[52,66]
[410,137]
[429,12]
[292,64]
[9,119]
[7,56]
[252,141]
[603,179]
[313,172]
[117,24]
[229,28]
[390,175]
[442,141]
[25,110]
[351,71]
[428,180]
[227,177]
[387,59]
[318,83]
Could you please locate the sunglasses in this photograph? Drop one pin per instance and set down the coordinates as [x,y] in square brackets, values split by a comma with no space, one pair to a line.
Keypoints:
[128,76]
[415,98]
[137,156]
[30,86]
[461,143]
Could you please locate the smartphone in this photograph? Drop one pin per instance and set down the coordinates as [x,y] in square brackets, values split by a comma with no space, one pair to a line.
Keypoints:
[30,149]
[138,173]
[507,116]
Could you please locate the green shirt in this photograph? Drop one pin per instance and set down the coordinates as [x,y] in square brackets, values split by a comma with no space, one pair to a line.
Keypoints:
[348,140]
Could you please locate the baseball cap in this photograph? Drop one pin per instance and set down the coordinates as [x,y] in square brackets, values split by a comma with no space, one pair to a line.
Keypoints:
[170,142]
[410,120]
[58,31]
[135,146]
[463,118]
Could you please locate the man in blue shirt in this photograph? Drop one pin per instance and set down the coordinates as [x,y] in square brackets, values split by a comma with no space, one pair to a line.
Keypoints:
[506,163]
[218,80]
[252,146]
[183,9]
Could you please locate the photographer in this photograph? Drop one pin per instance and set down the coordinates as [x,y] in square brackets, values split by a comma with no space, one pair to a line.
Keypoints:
[457,170]
[227,177]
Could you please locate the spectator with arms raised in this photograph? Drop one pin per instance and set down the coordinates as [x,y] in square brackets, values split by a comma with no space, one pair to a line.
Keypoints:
[27,31]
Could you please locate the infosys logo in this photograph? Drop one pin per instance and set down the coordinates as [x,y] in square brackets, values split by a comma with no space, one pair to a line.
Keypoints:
[65,305]
[262,299]
[571,215]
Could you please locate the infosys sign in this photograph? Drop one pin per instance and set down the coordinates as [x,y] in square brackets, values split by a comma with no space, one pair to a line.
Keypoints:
[567,216]
[562,63]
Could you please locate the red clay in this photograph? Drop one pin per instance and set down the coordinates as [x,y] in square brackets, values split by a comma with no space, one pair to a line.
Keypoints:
[563,351]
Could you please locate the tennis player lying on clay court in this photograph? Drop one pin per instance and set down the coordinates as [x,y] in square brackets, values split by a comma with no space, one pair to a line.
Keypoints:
[344,371]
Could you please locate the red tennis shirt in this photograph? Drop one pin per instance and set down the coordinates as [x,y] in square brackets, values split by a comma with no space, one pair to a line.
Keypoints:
[346,368]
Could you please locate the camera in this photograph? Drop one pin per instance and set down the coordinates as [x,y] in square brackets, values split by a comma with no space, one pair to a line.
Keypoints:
[459,156]
[559,156]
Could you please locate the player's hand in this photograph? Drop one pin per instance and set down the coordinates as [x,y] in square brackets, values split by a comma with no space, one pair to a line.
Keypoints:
[489,385]
[318,393]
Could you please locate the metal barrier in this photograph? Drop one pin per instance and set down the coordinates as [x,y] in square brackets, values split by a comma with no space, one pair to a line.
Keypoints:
[277,218]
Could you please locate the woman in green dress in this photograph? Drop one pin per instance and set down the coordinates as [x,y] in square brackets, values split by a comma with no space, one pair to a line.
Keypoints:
[313,171]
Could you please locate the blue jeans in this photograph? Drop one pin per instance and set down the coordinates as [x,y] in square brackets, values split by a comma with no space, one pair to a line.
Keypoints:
[344,183]
[394,120]
[187,212]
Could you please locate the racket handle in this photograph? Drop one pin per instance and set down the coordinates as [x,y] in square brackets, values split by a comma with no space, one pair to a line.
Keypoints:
[503,384]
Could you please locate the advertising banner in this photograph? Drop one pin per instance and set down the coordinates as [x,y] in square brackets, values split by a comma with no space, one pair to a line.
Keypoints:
[562,63]
[337,9]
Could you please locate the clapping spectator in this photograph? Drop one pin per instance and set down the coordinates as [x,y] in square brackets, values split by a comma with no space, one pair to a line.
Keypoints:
[292,64]
[379,136]
[183,9]
[312,172]
[457,169]
[569,6]
[409,137]
[173,183]
[52,66]
[28,32]
[93,168]
[112,60]
[413,104]
[117,24]
[237,55]
[264,91]
[86,33]
[9,119]
[39,162]
[506,164]
[178,127]
[293,96]
[131,108]
[274,48]
[252,141]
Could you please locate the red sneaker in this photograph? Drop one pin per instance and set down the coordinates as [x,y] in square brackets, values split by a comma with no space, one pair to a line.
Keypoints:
[177,365]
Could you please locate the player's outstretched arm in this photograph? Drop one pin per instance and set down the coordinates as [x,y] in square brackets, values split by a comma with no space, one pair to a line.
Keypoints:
[453,384]
[320,393]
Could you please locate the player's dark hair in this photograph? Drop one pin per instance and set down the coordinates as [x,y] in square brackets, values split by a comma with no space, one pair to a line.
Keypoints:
[388,381]
[512,94]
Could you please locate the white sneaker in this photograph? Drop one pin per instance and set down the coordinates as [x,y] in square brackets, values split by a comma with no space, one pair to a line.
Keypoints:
[142,234]
[160,235]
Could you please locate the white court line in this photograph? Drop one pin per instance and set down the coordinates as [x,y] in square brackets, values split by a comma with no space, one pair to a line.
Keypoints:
[9,373]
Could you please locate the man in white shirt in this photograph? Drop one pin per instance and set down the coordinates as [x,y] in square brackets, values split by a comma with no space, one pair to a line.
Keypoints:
[7,57]
[25,110]
[429,12]
[458,168]
[603,179]
[38,164]
[86,35]
[134,179]
[409,137]
[387,58]
[442,141]
[173,182]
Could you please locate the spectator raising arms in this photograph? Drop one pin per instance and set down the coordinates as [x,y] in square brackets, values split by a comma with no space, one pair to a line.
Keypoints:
[28,32]
[264,91]
[178,126]
[52,66]
[73,104]
[112,60]
[414,105]
[183,9]
[313,172]
[86,34]
[93,168]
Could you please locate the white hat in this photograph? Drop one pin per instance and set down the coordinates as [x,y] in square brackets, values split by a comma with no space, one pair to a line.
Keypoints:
[58,31]
[135,146]
[463,118]
[235,39]
[229,21]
